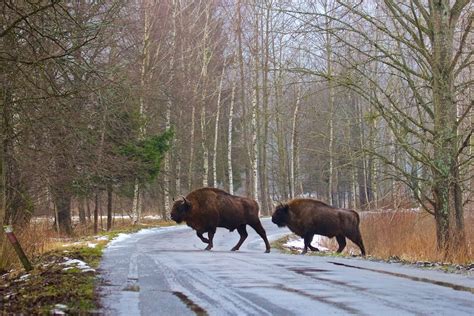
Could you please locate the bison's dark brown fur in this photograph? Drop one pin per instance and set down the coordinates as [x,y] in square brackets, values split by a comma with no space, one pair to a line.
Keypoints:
[307,217]
[206,209]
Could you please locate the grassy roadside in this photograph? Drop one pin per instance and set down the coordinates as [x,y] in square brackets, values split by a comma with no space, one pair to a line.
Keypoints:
[64,278]
[351,252]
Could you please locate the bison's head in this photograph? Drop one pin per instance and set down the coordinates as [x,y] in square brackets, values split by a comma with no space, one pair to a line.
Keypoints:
[180,209]
[281,215]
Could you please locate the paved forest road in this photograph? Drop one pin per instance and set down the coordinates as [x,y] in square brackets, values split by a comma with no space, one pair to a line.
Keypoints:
[166,272]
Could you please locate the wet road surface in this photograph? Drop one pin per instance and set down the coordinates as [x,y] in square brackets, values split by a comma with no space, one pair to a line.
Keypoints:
[164,271]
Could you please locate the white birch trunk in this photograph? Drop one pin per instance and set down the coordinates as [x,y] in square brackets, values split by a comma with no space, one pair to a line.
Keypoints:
[205,151]
[135,204]
[169,105]
[191,148]
[206,56]
[255,146]
[178,176]
[166,189]
[331,114]
[136,207]
[293,142]
[229,141]
[216,130]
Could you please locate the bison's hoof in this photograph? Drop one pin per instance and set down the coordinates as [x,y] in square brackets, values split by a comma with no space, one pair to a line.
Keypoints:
[234,249]
[303,253]
[208,248]
[267,251]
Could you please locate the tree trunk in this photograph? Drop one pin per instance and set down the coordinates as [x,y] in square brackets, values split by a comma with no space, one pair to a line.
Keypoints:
[254,146]
[82,212]
[63,204]
[206,56]
[109,207]
[216,129]
[229,141]
[280,131]
[446,186]
[191,148]
[88,207]
[169,105]
[254,122]
[96,212]
[248,150]
[293,146]
[145,60]
[136,206]
[331,187]
[263,136]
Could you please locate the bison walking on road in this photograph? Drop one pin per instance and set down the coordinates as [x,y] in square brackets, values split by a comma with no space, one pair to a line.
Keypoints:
[307,217]
[206,209]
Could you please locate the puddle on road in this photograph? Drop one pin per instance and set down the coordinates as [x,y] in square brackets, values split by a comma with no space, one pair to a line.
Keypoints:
[198,310]
[413,278]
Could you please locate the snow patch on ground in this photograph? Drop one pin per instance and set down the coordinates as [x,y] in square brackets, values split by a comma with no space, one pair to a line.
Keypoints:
[75,263]
[59,309]
[125,237]
[24,277]
[298,243]
[152,217]
[120,237]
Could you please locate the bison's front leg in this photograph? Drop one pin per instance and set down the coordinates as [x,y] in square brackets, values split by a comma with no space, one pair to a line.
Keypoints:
[308,238]
[313,248]
[204,239]
[210,234]
[341,240]
[243,235]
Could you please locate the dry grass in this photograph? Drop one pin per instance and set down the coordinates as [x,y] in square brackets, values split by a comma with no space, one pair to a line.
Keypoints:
[408,236]
[40,237]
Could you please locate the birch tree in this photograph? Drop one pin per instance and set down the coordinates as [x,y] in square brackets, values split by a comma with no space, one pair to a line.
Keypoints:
[229,140]
[216,127]
[428,61]
[169,106]
[147,9]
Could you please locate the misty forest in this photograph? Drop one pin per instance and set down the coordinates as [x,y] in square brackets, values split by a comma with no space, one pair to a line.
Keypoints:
[114,109]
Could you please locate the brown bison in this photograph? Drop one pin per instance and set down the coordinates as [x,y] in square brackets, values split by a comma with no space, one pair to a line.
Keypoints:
[306,217]
[206,209]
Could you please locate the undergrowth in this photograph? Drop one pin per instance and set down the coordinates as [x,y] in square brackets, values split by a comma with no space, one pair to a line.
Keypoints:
[49,283]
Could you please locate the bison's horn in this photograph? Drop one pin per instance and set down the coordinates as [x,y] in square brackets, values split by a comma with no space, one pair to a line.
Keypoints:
[184,199]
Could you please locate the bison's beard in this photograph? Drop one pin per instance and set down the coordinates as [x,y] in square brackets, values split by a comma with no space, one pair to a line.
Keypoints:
[176,218]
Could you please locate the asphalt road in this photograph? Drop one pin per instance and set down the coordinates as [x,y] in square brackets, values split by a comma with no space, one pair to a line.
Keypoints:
[166,272]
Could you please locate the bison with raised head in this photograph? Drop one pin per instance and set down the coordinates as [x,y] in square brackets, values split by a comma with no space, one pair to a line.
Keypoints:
[206,209]
[307,217]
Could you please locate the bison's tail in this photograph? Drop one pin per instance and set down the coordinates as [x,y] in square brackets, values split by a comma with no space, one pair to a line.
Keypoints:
[357,216]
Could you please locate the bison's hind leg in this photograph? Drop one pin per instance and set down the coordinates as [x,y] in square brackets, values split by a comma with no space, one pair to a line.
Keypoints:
[341,240]
[259,229]
[308,238]
[210,234]
[204,239]
[243,235]
[357,239]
